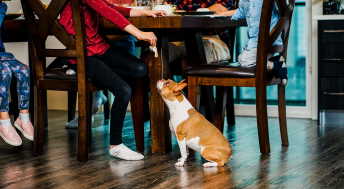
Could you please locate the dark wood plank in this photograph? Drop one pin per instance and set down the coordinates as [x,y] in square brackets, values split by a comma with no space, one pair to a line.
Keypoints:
[313,160]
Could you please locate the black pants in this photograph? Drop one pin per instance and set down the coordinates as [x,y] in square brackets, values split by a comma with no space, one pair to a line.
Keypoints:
[116,70]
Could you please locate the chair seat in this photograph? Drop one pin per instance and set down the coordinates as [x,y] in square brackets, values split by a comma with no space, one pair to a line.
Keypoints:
[57,79]
[59,74]
[221,70]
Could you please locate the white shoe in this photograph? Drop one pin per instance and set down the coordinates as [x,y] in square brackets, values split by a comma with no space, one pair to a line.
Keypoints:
[9,134]
[248,58]
[123,152]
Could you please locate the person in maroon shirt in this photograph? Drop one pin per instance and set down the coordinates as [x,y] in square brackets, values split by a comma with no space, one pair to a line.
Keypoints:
[112,68]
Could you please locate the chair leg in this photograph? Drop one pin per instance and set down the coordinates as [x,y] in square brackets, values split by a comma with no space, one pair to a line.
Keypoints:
[39,121]
[193,92]
[84,107]
[71,104]
[262,119]
[230,107]
[44,97]
[207,100]
[282,115]
[221,97]
[89,117]
[137,112]
[107,106]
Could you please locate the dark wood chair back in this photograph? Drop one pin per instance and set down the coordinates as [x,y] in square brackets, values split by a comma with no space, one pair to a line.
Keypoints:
[42,21]
[227,76]
[268,36]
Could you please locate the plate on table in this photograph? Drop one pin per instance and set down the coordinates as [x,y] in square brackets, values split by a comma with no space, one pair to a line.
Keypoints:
[194,12]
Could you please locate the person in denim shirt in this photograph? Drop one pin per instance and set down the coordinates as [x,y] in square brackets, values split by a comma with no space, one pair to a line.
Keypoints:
[251,11]
[10,67]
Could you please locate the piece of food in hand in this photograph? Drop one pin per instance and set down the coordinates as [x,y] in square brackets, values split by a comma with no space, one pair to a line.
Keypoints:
[154,50]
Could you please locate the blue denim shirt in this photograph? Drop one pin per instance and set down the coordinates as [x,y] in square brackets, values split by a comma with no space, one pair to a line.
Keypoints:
[3,9]
[251,11]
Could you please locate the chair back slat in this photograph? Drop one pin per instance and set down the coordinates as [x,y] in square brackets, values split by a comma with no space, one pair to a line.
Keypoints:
[268,36]
[42,21]
[79,42]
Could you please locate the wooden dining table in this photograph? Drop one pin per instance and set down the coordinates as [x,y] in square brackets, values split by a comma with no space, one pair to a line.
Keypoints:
[169,28]
[172,28]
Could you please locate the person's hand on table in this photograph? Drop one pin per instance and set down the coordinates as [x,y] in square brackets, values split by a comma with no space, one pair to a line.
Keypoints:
[152,13]
[218,8]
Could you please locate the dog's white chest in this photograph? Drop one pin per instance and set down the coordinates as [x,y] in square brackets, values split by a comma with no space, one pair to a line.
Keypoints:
[177,117]
[178,111]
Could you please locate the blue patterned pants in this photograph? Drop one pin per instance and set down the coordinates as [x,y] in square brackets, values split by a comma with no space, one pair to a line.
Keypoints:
[9,67]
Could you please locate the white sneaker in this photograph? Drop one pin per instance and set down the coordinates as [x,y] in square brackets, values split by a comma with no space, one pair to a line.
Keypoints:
[123,152]
[248,58]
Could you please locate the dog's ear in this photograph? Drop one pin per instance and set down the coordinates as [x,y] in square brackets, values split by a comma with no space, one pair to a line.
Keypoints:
[180,86]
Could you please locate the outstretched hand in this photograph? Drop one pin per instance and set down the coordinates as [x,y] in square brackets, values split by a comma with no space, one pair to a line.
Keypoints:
[148,37]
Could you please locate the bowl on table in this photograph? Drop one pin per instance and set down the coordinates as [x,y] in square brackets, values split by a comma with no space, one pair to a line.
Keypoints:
[169,9]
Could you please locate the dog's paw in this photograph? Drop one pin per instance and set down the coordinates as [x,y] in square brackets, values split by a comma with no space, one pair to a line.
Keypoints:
[210,164]
[179,164]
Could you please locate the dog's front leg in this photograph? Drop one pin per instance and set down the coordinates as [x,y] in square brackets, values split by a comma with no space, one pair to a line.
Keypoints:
[171,127]
[183,152]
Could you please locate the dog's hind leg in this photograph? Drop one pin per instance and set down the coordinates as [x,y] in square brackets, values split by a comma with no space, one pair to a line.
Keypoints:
[213,156]
[210,164]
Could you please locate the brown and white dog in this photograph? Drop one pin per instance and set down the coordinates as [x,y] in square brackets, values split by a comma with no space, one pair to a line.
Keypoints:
[191,128]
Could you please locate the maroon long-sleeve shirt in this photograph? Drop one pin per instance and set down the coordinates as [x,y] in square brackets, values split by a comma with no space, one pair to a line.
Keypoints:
[91,9]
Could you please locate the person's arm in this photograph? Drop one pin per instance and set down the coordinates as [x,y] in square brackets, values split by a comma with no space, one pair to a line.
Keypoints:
[110,13]
[228,13]
[113,15]
[238,14]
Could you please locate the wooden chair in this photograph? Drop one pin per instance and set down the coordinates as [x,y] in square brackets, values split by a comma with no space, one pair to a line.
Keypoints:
[42,22]
[57,68]
[259,77]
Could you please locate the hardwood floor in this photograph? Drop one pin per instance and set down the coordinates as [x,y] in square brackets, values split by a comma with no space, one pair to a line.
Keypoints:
[315,159]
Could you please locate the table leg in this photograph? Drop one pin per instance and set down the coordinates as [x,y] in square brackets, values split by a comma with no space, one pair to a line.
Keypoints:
[157,68]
